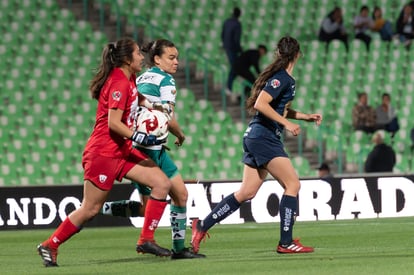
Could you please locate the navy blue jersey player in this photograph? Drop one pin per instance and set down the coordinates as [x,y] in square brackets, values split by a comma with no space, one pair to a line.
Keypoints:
[271,98]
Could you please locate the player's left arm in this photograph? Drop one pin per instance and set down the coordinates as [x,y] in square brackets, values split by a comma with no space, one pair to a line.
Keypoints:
[167,95]
[175,129]
[293,114]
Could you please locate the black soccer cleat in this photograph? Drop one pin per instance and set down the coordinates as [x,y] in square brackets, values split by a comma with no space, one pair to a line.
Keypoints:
[152,248]
[49,256]
[186,253]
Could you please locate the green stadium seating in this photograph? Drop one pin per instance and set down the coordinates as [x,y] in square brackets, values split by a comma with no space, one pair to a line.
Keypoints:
[56,113]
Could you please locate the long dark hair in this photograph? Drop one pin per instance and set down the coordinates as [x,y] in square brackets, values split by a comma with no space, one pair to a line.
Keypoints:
[286,51]
[114,55]
[154,48]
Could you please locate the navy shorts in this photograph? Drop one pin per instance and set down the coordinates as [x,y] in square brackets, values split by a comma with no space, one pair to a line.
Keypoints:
[261,145]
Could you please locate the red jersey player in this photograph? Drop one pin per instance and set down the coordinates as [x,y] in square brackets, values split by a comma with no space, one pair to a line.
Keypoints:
[109,155]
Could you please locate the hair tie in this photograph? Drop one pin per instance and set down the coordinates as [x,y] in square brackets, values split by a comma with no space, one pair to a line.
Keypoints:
[154,45]
[278,54]
[112,48]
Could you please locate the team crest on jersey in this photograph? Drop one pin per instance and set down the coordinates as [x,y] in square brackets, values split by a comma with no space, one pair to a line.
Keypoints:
[275,83]
[173,92]
[116,95]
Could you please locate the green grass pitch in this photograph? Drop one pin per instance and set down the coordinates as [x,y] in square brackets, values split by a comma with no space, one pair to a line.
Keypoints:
[374,246]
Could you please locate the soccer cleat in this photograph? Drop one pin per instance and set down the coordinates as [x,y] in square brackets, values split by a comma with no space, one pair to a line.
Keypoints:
[186,253]
[197,235]
[294,247]
[49,256]
[153,248]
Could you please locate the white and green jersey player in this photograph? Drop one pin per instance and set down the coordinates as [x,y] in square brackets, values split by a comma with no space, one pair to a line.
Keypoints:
[158,86]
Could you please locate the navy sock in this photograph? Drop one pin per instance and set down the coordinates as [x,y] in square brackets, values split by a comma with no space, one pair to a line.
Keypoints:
[227,206]
[288,207]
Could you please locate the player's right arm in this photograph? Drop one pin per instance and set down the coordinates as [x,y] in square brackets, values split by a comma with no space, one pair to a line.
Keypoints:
[116,125]
[263,106]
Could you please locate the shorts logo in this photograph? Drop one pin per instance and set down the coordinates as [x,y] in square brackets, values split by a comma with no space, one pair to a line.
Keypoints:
[173,92]
[102,178]
[116,95]
[275,83]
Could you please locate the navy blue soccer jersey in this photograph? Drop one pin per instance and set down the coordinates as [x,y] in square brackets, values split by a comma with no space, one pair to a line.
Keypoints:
[281,86]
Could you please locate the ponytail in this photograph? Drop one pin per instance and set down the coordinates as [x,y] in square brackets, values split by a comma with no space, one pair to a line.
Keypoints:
[155,48]
[286,52]
[114,55]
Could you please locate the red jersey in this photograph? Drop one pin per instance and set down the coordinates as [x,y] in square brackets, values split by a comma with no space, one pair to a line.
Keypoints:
[118,92]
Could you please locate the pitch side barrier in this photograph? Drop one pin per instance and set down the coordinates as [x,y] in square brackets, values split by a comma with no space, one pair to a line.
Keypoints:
[341,198]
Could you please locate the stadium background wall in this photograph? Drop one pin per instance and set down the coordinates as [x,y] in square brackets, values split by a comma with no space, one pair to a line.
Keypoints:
[341,198]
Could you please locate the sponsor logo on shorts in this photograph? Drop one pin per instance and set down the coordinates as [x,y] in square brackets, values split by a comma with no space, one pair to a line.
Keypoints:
[102,178]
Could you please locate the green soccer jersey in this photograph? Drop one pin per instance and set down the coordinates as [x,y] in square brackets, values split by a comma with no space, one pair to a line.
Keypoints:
[157,86]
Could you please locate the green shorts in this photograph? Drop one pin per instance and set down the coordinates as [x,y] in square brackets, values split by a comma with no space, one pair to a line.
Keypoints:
[163,160]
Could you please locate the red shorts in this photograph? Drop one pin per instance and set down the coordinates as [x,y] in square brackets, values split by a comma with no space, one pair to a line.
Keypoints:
[103,171]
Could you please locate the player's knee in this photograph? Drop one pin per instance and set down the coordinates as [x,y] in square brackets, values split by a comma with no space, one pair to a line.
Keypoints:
[292,188]
[182,198]
[91,211]
[163,185]
[245,195]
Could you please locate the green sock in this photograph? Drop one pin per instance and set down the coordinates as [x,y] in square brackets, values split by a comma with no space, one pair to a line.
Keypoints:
[178,218]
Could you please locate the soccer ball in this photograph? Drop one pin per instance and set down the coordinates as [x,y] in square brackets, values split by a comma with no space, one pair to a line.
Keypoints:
[152,122]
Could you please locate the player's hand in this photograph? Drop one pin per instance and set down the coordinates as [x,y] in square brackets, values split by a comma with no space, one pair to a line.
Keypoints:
[163,107]
[179,140]
[293,128]
[144,139]
[317,118]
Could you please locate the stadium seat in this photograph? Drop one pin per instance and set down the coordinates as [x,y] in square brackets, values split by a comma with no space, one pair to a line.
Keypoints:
[60,46]
[302,167]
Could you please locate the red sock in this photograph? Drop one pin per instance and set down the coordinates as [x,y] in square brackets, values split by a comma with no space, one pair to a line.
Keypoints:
[153,214]
[65,230]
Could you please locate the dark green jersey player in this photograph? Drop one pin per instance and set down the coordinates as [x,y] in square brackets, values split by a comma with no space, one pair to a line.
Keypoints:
[158,85]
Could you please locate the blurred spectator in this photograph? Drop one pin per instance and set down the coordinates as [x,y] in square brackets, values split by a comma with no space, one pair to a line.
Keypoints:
[412,139]
[230,37]
[382,26]
[362,24]
[405,25]
[324,171]
[243,64]
[332,28]
[382,157]
[386,117]
[363,115]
